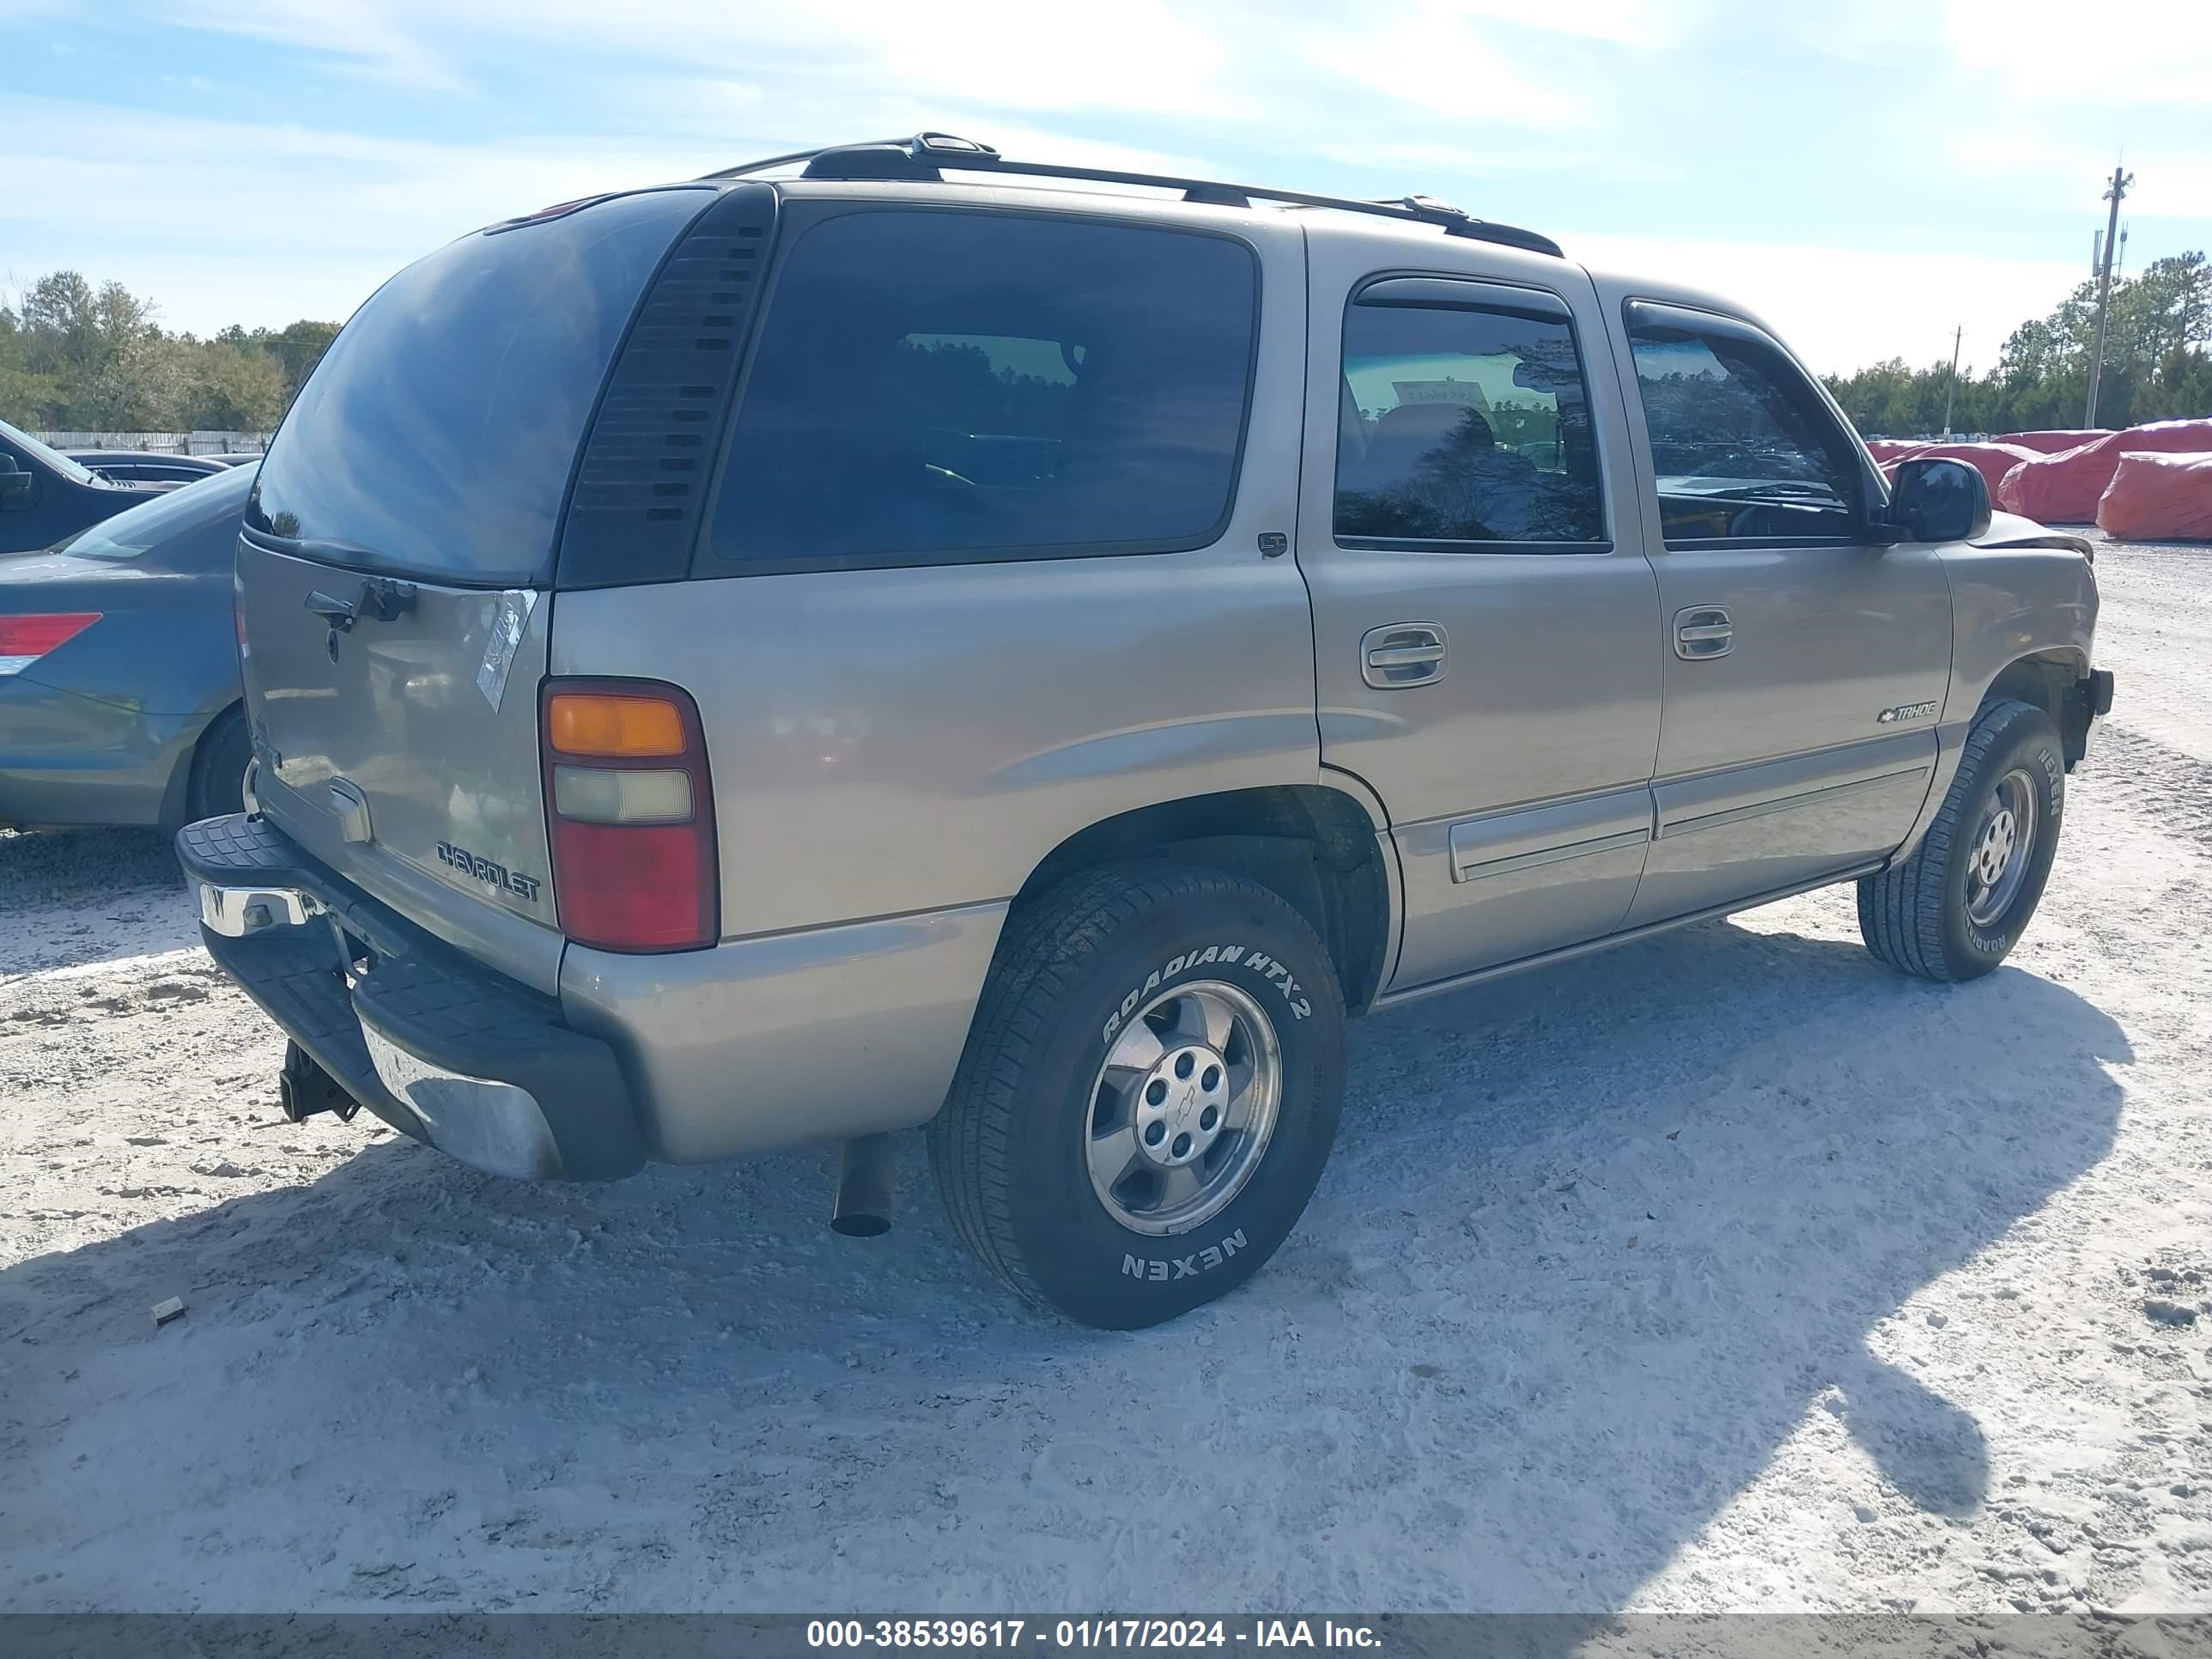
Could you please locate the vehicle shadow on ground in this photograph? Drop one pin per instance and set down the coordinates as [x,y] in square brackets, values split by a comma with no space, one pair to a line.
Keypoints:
[74,896]
[1596,1244]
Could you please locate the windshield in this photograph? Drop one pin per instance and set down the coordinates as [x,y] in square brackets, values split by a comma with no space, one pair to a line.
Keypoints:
[141,529]
[30,449]
[436,437]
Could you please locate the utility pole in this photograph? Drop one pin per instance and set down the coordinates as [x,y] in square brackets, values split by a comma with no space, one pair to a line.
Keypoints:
[2120,183]
[1957,335]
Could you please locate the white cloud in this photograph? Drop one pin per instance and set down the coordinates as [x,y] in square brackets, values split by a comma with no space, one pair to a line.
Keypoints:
[2146,51]
[373,39]
[1643,24]
[1149,58]
[1440,59]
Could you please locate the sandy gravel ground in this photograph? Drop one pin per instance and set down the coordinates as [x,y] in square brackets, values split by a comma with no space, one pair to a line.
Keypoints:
[1728,1271]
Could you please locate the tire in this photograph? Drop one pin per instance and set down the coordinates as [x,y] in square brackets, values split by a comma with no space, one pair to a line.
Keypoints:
[1080,970]
[219,761]
[1936,914]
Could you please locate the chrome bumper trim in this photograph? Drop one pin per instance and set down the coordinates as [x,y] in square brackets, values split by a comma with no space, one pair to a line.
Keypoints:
[236,912]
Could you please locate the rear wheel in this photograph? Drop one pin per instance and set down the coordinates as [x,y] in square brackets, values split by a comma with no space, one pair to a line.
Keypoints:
[1955,908]
[218,780]
[1148,1094]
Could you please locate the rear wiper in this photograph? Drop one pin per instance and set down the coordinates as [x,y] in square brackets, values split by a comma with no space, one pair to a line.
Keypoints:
[381,598]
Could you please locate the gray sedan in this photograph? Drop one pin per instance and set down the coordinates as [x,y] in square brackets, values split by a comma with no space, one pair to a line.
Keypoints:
[119,666]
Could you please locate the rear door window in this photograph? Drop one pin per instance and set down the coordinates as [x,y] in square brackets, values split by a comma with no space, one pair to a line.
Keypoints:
[1464,425]
[437,435]
[1744,447]
[947,387]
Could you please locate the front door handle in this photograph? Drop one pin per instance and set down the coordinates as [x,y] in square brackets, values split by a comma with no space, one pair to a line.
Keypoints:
[1402,653]
[1702,632]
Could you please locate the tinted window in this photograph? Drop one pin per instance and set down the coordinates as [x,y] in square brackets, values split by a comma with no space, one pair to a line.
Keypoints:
[1743,446]
[934,386]
[165,517]
[437,434]
[1463,425]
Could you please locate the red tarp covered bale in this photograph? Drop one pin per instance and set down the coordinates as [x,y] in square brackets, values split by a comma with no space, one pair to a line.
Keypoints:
[1886,450]
[2064,489]
[2053,443]
[2159,497]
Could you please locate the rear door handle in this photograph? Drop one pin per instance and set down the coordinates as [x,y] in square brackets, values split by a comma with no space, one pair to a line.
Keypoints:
[1702,632]
[1402,654]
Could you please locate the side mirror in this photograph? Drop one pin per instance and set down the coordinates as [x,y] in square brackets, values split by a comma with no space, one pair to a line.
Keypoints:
[1939,502]
[17,486]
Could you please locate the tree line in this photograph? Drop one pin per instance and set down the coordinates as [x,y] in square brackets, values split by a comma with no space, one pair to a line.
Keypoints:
[2158,366]
[77,358]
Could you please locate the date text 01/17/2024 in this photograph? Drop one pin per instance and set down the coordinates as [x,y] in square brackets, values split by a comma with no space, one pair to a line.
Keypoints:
[1061,1633]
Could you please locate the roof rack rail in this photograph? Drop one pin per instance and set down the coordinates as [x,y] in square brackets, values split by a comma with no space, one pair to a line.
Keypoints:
[923,156]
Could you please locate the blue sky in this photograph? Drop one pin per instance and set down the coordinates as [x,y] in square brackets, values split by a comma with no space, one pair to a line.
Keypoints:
[1867,175]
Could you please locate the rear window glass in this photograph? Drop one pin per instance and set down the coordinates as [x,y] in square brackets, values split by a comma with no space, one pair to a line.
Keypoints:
[437,435]
[127,535]
[946,385]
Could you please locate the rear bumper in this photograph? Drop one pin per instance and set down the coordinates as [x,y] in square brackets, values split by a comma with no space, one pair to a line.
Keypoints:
[438,1046]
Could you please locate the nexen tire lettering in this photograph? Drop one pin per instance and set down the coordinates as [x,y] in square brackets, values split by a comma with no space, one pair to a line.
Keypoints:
[1183,1266]
[1266,965]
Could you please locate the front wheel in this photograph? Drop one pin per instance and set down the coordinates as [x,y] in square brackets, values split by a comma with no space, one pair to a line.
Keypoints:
[1955,908]
[1148,1094]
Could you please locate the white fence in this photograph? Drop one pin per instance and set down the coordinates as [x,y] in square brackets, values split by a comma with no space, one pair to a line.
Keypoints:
[165,443]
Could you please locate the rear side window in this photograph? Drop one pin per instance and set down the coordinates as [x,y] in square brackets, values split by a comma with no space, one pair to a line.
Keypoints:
[941,387]
[437,435]
[1744,448]
[1464,425]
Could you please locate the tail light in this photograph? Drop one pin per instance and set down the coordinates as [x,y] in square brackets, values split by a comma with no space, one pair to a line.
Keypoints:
[24,640]
[632,815]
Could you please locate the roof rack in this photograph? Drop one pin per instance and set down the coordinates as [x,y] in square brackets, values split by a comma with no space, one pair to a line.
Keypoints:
[921,158]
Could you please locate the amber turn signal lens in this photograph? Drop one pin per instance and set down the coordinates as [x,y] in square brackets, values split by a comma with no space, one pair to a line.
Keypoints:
[590,723]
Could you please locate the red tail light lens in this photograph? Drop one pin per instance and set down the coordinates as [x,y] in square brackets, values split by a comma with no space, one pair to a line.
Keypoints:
[632,820]
[24,640]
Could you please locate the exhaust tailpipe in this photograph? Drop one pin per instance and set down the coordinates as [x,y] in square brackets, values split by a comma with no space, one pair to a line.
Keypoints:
[863,1208]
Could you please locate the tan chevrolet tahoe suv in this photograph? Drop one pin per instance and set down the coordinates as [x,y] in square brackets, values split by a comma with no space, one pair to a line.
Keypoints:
[896,635]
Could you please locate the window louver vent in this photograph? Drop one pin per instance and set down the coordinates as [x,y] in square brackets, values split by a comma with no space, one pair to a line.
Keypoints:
[641,487]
